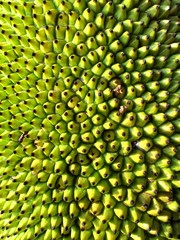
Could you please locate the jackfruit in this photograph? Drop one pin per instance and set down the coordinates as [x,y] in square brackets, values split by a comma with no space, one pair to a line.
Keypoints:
[89,119]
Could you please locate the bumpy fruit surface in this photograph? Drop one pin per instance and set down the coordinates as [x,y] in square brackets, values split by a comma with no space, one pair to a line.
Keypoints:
[89,110]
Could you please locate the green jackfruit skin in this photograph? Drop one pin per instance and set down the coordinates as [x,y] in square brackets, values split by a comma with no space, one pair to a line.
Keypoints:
[89,131]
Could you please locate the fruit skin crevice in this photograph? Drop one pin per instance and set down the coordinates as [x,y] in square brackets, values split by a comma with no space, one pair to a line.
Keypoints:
[89,120]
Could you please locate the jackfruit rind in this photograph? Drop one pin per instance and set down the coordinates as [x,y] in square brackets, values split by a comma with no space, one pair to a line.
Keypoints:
[89,130]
